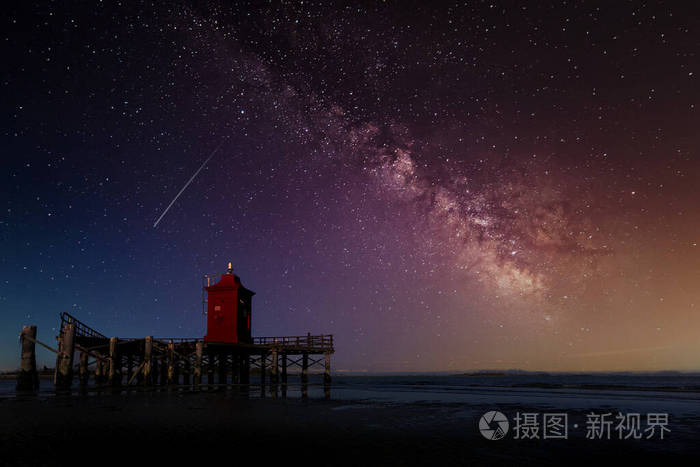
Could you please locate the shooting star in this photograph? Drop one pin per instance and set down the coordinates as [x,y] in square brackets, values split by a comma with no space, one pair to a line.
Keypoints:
[155,224]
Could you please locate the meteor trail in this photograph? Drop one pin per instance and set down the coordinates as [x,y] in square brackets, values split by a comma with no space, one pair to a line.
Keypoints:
[155,224]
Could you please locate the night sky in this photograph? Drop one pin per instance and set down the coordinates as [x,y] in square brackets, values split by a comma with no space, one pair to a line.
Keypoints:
[478,186]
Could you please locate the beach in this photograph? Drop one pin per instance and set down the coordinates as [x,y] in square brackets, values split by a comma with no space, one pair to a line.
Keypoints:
[399,421]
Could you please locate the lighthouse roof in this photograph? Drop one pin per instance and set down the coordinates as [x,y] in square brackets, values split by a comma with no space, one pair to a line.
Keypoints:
[228,281]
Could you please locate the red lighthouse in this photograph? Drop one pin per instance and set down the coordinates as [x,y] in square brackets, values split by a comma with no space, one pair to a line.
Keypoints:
[228,310]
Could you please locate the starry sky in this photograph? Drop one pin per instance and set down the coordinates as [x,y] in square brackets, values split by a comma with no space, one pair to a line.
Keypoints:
[474,185]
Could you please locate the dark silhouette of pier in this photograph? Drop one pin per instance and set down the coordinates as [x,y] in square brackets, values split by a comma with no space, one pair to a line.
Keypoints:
[177,363]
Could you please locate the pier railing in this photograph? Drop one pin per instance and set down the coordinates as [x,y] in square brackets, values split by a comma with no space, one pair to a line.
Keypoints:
[323,341]
[81,329]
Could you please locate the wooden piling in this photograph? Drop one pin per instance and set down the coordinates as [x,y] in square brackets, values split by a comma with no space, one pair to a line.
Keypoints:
[263,370]
[139,374]
[64,371]
[198,350]
[186,370]
[327,376]
[176,370]
[274,372]
[211,360]
[244,370]
[147,364]
[284,374]
[163,364]
[115,363]
[129,367]
[83,375]
[171,362]
[274,367]
[235,371]
[28,378]
[305,374]
[59,355]
[98,372]
[222,368]
[155,371]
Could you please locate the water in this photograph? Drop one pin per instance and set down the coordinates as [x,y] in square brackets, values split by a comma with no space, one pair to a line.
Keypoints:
[426,407]
[577,389]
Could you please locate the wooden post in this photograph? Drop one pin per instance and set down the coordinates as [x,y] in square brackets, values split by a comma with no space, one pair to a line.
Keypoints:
[28,378]
[198,350]
[129,367]
[245,369]
[163,370]
[83,376]
[284,374]
[222,369]
[245,375]
[186,370]
[176,369]
[155,370]
[235,371]
[210,368]
[64,373]
[98,372]
[115,363]
[327,376]
[171,362]
[263,365]
[274,376]
[139,373]
[304,375]
[59,354]
[147,365]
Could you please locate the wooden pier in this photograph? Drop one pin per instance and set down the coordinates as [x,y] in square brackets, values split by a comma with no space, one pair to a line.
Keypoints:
[175,363]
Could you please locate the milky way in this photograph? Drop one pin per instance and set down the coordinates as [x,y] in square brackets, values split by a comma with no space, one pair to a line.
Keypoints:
[442,188]
[511,234]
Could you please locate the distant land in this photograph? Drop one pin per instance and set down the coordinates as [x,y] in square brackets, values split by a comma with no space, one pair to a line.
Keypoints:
[48,372]
[519,372]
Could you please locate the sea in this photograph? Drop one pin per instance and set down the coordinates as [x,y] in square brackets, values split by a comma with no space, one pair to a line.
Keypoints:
[562,389]
[406,419]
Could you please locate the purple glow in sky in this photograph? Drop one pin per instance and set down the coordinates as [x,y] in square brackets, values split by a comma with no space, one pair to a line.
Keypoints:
[445,188]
